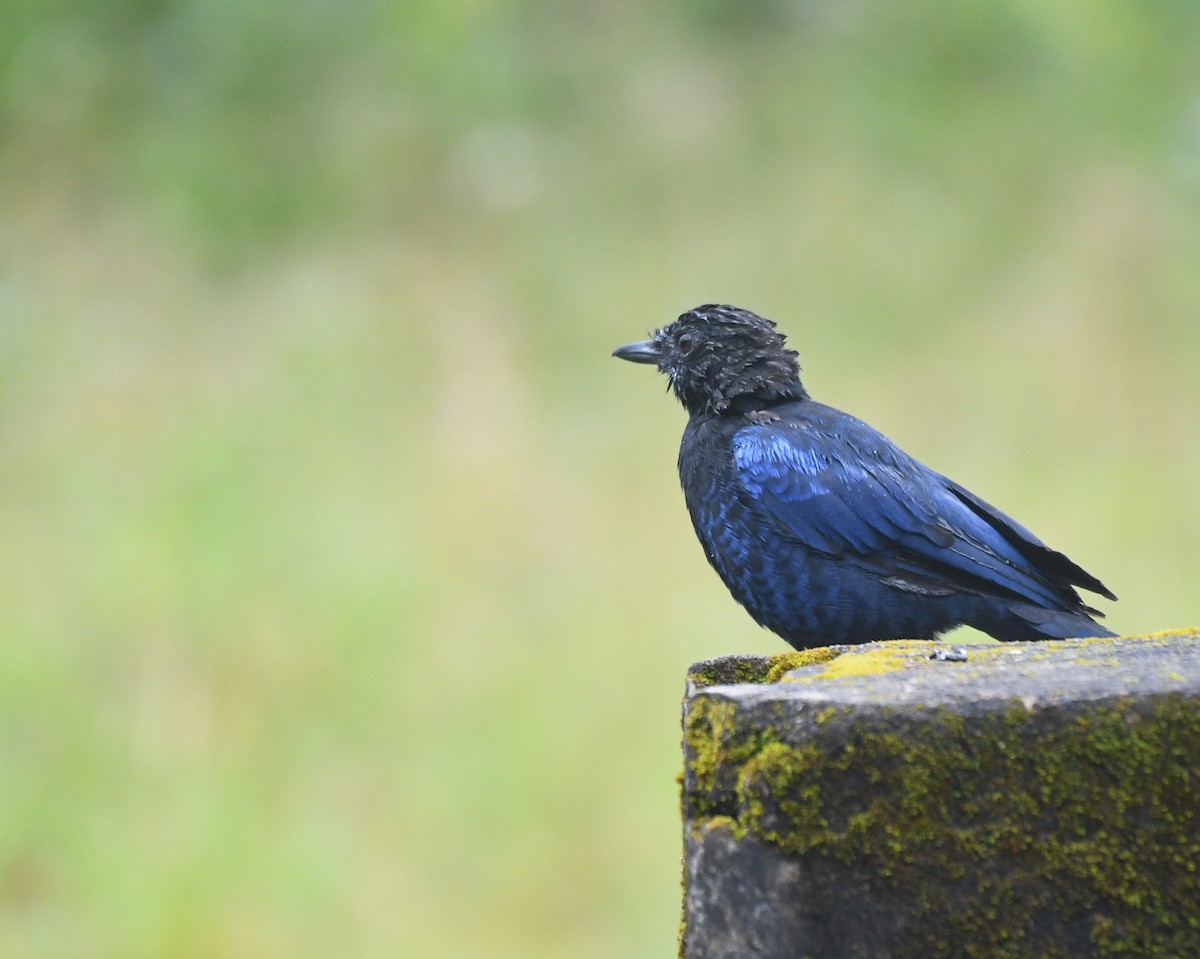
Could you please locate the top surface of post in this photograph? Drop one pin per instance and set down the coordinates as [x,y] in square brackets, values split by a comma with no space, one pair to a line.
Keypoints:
[903,672]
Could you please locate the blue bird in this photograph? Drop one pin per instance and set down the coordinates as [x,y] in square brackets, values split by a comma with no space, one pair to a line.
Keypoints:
[824,529]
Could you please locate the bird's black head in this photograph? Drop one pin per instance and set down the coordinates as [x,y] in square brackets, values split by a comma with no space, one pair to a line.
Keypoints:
[721,359]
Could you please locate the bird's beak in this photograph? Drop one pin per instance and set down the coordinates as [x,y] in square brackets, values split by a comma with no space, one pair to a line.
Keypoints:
[643,351]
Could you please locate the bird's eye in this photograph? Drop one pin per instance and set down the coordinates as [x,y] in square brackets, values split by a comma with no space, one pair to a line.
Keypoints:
[685,343]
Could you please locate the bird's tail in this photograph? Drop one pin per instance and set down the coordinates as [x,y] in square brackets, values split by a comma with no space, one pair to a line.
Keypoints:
[1059,624]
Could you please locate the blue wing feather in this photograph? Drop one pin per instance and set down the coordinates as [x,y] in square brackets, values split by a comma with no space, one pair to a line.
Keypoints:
[844,489]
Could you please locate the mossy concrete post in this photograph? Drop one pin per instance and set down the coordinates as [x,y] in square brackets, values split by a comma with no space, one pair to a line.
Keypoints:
[1034,800]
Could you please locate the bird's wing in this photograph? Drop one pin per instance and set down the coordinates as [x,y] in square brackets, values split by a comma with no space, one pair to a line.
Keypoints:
[1053,564]
[842,488]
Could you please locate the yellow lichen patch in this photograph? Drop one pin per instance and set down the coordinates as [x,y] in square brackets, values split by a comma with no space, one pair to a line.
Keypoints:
[1192,632]
[701,827]
[876,660]
[785,662]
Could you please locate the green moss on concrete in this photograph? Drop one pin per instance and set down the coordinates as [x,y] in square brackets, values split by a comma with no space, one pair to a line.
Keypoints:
[735,670]
[1091,821]
[716,745]
[707,728]
[728,670]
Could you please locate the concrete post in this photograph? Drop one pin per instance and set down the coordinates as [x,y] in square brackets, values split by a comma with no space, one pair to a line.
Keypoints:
[1034,800]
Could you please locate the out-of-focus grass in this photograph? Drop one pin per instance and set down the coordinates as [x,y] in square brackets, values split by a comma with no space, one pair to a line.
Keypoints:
[345,590]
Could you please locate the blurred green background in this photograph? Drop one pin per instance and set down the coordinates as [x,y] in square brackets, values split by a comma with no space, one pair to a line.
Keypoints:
[346,590]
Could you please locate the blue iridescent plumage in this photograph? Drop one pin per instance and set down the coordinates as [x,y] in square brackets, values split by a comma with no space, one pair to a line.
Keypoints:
[824,529]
